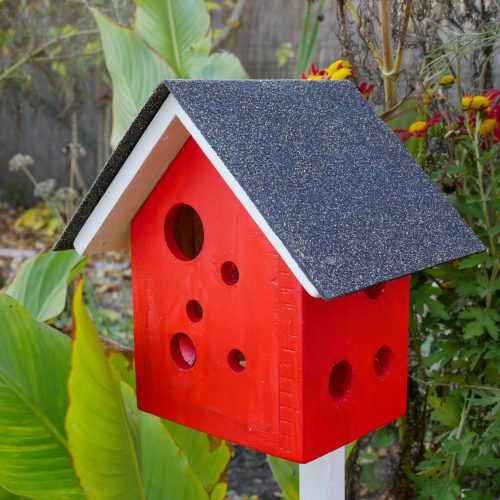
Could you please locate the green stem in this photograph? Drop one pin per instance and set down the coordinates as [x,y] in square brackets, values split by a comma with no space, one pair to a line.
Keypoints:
[482,195]
[313,39]
[299,68]
[461,425]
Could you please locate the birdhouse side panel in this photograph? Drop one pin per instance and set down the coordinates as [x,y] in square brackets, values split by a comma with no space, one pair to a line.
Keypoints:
[216,314]
[355,364]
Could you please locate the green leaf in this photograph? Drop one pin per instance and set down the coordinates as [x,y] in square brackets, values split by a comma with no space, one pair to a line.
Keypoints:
[474,261]
[118,451]
[172,28]
[437,309]
[219,66]
[41,283]
[7,495]
[446,410]
[167,476]
[34,366]
[124,366]
[100,434]
[207,456]
[383,438]
[440,489]
[369,477]
[286,474]
[135,71]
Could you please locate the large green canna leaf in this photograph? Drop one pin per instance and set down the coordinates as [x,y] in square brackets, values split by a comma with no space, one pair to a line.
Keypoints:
[219,66]
[41,283]
[207,460]
[118,451]
[7,495]
[135,71]
[100,435]
[167,475]
[174,28]
[34,366]
[286,474]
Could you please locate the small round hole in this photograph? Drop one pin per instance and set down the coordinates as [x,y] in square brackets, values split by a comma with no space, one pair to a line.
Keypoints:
[184,232]
[230,273]
[237,361]
[194,311]
[374,291]
[340,380]
[183,351]
[383,361]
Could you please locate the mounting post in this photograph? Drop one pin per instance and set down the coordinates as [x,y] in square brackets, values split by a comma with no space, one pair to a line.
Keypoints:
[323,478]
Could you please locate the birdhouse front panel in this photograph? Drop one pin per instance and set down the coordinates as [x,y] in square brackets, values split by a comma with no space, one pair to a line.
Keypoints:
[215,309]
[227,341]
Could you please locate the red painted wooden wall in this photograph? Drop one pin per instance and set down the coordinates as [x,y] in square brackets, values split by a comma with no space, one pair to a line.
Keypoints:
[229,343]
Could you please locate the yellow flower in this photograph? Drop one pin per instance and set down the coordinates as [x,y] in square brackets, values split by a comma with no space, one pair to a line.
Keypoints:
[447,80]
[314,77]
[488,126]
[429,95]
[475,103]
[466,101]
[417,126]
[339,70]
[341,74]
[338,64]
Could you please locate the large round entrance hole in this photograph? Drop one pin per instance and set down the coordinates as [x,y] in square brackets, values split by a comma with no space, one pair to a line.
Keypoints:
[340,380]
[184,232]
[194,311]
[183,351]
[230,273]
[237,361]
[374,291]
[383,361]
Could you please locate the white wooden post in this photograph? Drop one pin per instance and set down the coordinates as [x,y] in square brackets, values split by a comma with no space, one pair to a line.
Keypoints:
[323,478]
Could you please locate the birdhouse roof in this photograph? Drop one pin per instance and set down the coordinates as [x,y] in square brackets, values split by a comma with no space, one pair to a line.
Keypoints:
[328,183]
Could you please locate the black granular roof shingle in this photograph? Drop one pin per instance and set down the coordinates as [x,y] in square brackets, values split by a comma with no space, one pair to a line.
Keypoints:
[332,181]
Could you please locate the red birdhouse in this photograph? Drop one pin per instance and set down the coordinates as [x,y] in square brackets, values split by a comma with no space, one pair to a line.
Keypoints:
[272,233]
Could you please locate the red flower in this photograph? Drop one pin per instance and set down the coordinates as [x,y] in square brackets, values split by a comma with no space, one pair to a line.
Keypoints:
[418,128]
[366,89]
[315,74]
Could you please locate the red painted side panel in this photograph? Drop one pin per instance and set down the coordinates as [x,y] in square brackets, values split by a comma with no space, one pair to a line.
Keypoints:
[285,401]
[355,365]
[260,406]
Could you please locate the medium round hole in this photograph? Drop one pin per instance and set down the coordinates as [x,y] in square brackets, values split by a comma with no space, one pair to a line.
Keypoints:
[183,351]
[230,273]
[374,291]
[184,232]
[194,311]
[236,360]
[340,380]
[383,361]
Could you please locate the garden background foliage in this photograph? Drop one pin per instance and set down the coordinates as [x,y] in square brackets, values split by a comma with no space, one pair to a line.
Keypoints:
[69,425]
